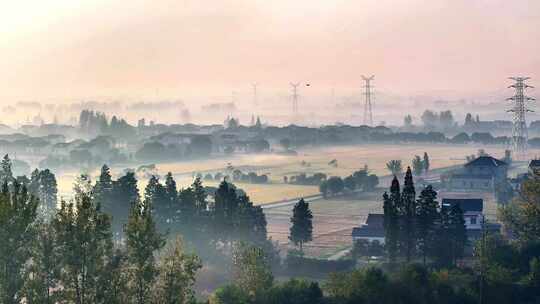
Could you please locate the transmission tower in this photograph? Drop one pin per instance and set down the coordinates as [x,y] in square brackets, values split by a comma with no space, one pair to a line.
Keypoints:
[368,114]
[294,87]
[519,108]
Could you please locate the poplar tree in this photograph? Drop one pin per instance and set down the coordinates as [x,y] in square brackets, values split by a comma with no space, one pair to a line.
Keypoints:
[426,162]
[142,242]
[301,230]
[391,220]
[408,216]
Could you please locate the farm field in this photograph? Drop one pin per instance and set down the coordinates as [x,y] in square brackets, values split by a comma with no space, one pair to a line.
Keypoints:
[333,220]
[309,160]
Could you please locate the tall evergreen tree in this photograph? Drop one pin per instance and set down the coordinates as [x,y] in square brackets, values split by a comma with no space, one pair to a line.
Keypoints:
[48,190]
[200,195]
[408,217]
[427,221]
[418,165]
[104,187]
[458,233]
[125,193]
[18,212]
[6,174]
[391,219]
[301,230]
[426,162]
[142,242]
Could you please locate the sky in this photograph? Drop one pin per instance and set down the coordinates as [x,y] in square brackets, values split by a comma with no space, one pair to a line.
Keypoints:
[69,49]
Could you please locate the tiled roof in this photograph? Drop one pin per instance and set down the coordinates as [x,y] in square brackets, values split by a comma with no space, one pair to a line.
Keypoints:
[486,161]
[466,204]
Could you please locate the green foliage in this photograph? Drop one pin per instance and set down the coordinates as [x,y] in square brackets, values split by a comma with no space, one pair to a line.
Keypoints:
[395,167]
[84,238]
[418,165]
[142,241]
[252,270]
[301,230]
[177,275]
[18,212]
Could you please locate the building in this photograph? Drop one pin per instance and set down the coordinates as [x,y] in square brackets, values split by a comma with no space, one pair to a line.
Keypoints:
[372,230]
[481,174]
[472,210]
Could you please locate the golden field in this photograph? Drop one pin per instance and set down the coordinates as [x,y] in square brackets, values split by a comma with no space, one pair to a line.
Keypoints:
[349,159]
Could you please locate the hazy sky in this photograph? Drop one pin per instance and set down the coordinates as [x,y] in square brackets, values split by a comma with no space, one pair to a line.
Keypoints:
[69,48]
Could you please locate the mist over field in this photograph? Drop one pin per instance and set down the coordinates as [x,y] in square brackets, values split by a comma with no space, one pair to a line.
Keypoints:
[269,152]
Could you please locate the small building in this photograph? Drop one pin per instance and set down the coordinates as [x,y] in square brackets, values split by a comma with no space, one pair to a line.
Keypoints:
[481,174]
[472,210]
[372,230]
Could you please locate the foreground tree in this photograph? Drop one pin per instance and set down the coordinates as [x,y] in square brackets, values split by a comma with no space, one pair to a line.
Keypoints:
[252,270]
[142,242]
[301,230]
[18,211]
[177,271]
[42,285]
[426,162]
[84,237]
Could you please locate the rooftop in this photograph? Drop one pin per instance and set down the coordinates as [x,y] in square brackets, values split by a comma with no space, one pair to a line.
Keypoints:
[466,204]
[486,161]
[534,163]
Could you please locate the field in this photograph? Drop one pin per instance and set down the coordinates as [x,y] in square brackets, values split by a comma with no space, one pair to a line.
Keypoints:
[349,159]
[333,220]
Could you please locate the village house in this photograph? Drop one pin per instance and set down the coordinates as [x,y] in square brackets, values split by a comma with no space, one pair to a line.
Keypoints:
[481,174]
[372,230]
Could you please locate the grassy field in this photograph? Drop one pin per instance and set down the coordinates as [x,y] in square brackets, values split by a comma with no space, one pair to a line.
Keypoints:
[349,159]
[333,220]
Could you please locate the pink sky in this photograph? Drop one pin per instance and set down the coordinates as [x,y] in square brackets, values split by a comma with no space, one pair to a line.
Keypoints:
[76,49]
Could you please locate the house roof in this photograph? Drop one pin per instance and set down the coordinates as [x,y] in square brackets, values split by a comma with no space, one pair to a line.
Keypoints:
[374,227]
[466,204]
[534,163]
[486,161]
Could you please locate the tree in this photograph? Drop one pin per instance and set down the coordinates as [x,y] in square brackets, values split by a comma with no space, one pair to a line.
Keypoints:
[394,166]
[125,193]
[458,232]
[335,184]
[408,216]
[522,216]
[230,294]
[103,188]
[285,143]
[252,270]
[48,191]
[323,188]
[430,119]
[426,162]
[201,202]
[6,173]
[407,121]
[85,238]
[177,275]
[427,221]
[42,285]
[391,203]
[18,212]
[301,230]
[350,183]
[142,242]
[418,165]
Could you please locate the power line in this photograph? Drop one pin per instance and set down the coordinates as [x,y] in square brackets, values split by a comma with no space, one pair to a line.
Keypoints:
[294,87]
